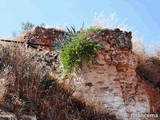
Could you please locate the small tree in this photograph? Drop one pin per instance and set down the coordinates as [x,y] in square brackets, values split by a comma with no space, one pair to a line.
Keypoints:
[27,26]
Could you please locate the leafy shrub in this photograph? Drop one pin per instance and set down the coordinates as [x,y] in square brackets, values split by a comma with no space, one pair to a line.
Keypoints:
[77,50]
[93,30]
[64,39]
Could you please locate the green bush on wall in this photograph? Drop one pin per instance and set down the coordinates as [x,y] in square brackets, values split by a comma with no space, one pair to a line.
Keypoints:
[77,50]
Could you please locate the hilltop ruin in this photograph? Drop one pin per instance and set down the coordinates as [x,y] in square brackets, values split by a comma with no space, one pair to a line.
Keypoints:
[114,79]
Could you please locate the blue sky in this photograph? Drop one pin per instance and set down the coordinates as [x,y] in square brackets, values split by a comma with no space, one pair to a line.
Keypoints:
[142,15]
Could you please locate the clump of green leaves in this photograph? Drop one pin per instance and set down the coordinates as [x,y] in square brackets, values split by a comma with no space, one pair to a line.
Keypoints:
[77,50]
[65,39]
[71,34]
[93,30]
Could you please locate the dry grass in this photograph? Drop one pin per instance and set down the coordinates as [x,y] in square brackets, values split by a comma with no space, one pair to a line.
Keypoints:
[148,65]
[149,70]
[30,90]
[2,89]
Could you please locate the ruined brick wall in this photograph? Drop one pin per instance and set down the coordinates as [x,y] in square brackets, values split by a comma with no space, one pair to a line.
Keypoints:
[45,36]
[113,80]
[113,39]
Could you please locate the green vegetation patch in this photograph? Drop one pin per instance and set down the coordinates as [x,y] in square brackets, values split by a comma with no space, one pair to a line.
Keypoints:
[77,50]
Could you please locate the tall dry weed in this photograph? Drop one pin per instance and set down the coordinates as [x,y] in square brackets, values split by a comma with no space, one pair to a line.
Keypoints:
[30,89]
